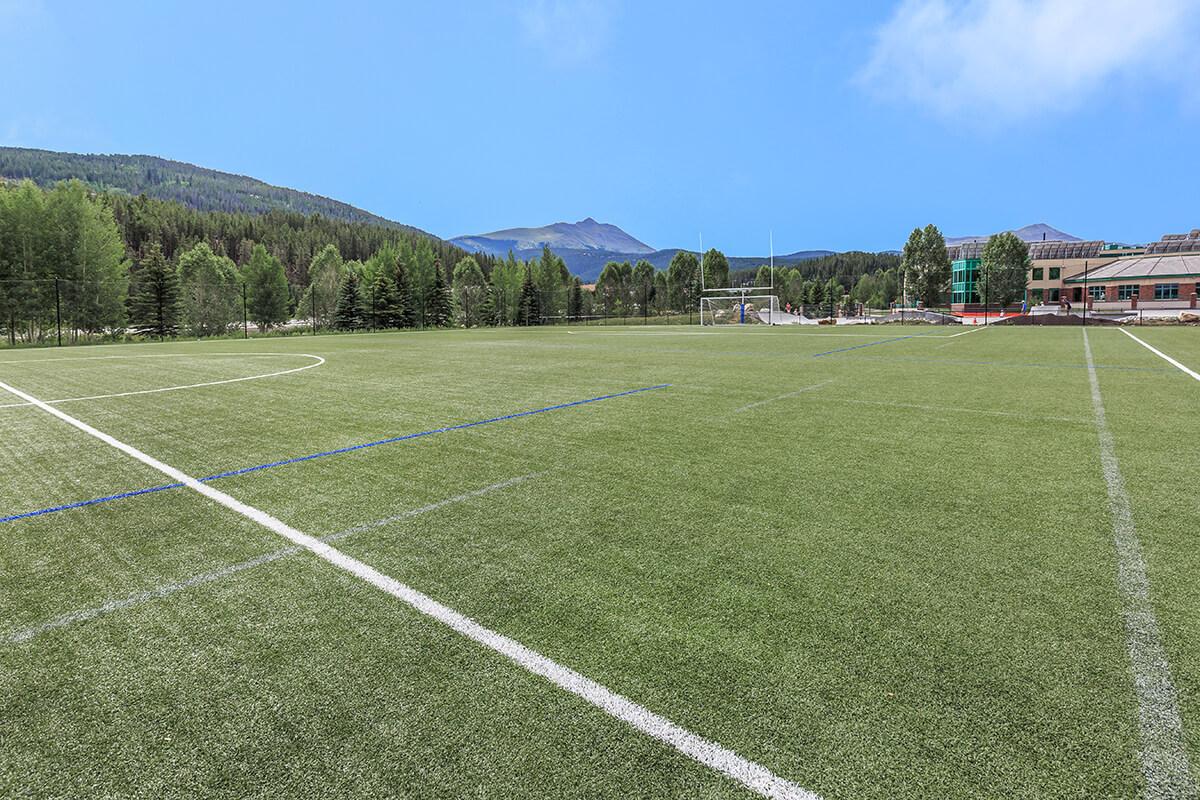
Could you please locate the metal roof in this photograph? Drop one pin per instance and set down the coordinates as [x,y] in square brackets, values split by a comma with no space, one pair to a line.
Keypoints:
[1176,243]
[1054,251]
[1038,251]
[1173,266]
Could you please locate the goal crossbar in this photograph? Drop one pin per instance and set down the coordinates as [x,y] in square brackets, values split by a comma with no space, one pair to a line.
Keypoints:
[739,290]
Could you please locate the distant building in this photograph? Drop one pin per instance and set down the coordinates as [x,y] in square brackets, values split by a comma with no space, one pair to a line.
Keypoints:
[1148,281]
[1164,274]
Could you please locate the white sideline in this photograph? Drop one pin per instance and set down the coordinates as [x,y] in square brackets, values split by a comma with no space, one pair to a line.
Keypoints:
[1160,727]
[319,361]
[168,589]
[751,775]
[1161,355]
[801,390]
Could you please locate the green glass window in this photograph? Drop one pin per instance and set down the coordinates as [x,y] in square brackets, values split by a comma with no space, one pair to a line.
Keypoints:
[1096,292]
[1127,291]
[1166,291]
[1055,272]
[1037,273]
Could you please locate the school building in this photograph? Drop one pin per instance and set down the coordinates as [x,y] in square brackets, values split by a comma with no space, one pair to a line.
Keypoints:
[1112,277]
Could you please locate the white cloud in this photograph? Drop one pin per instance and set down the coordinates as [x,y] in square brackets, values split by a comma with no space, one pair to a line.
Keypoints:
[1005,59]
[569,31]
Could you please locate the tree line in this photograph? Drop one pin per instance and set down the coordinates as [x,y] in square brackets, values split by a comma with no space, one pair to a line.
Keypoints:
[102,265]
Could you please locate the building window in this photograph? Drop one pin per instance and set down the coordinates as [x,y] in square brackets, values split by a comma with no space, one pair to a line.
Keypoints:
[1166,291]
[1127,291]
[1096,292]
[1037,273]
[1054,273]
[1037,295]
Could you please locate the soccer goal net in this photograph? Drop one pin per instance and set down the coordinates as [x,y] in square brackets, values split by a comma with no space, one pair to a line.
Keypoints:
[741,310]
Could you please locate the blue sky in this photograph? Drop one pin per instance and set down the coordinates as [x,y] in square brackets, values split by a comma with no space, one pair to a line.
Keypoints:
[838,125]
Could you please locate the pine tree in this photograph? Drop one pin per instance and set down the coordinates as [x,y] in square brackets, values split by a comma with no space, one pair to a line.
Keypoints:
[406,311]
[384,303]
[440,307]
[575,299]
[154,296]
[487,308]
[348,316]
[529,310]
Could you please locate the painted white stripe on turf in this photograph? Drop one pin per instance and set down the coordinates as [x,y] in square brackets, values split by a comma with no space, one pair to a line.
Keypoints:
[751,775]
[319,361]
[165,590]
[1163,748]
[1161,355]
[801,390]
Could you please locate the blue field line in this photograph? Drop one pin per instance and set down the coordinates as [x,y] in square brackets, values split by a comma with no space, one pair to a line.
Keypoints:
[339,451]
[92,502]
[868,344]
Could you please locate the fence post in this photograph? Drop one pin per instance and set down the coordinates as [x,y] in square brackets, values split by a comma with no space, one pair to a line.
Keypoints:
[58,311]
[245,315]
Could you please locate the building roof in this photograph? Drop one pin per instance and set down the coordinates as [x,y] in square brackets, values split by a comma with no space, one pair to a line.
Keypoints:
[1054,251]
[1176,243]
[1038,251]
[1126,269]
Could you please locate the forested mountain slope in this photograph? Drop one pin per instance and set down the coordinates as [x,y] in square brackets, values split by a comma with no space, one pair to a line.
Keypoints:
[162,179]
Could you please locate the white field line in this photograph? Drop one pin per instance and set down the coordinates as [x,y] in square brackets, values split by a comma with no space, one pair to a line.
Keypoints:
[877,335]
[1163,749]
[953,409]
[140,355]
[319,361]
[750,774]
[167,589]
[1161,355]
[954,336]
[801,390]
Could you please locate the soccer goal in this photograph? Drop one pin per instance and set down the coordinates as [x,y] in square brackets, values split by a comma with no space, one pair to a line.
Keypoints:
[740,309]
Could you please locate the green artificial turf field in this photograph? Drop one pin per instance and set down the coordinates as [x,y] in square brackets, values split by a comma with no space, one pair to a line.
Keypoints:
[872,563]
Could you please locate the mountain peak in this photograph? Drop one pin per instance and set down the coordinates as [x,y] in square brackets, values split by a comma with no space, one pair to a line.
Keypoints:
[587,234]
[1037,232]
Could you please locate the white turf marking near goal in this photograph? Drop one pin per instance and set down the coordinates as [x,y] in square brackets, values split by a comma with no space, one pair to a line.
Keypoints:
[1163,749]
[954,336]
[318,362]
[750,774]
[801,390]
[1161,355]
[167,589]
